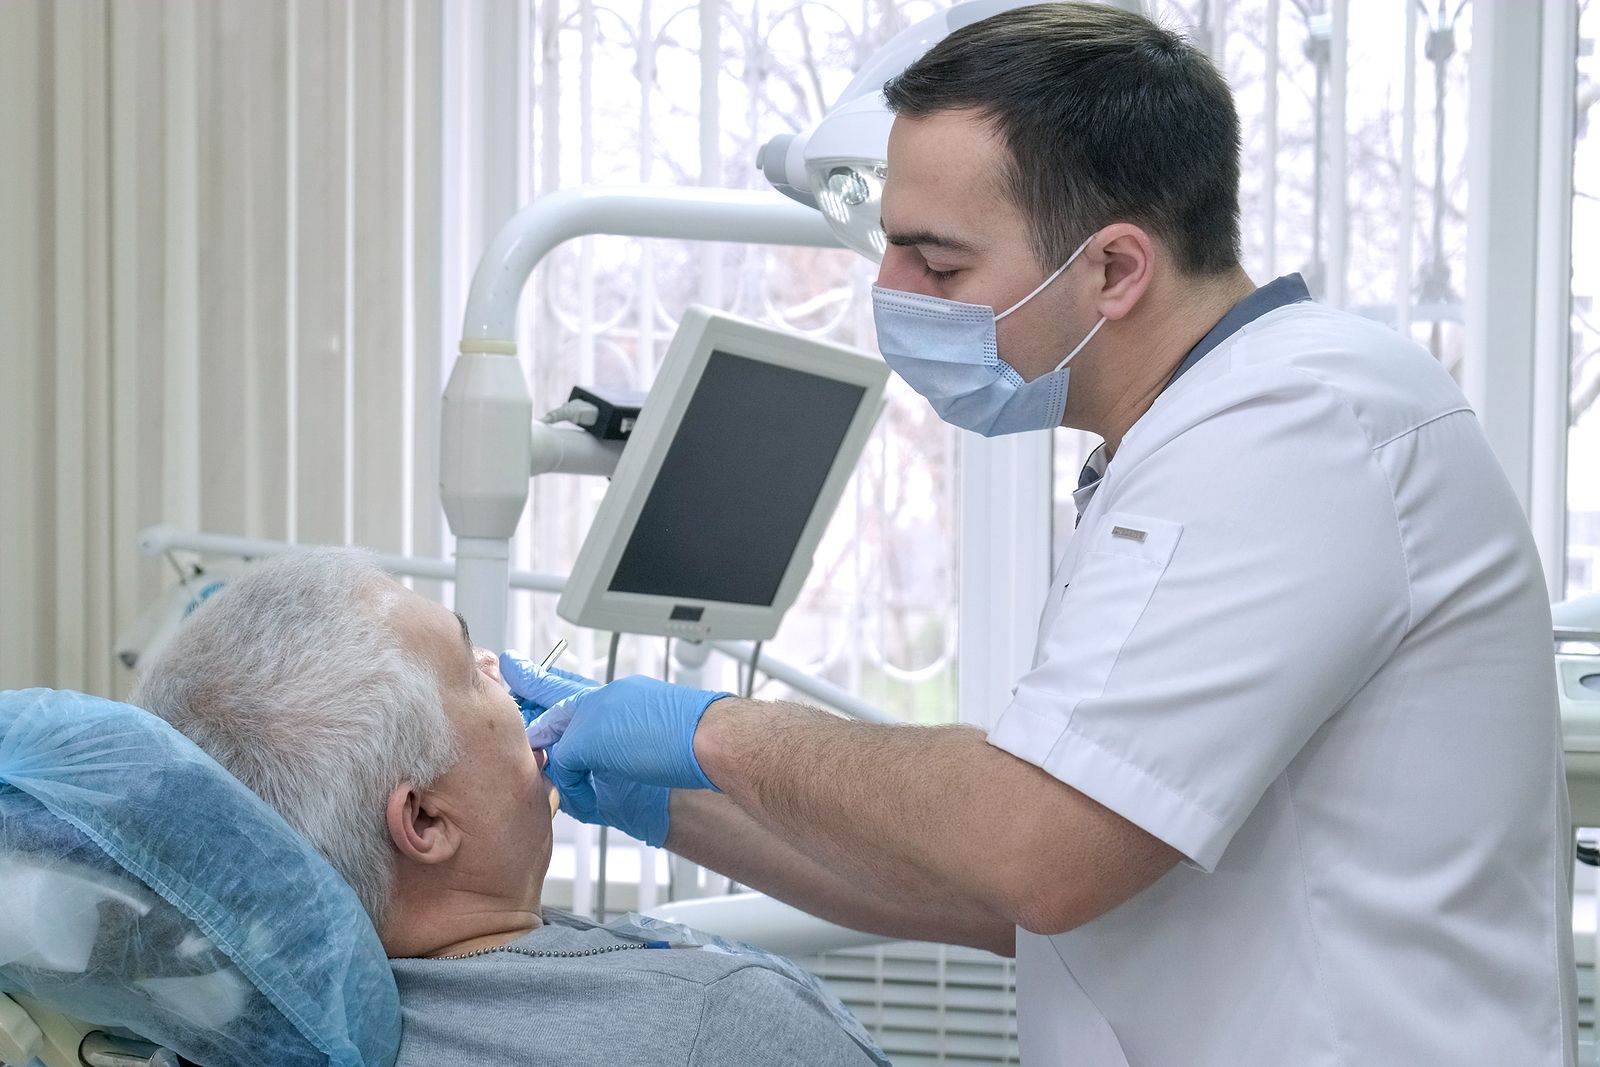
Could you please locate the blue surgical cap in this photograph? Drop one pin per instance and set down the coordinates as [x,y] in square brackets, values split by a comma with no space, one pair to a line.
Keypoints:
[145,888]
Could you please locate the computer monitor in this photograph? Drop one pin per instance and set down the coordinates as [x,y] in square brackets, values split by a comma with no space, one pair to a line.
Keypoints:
[739,458]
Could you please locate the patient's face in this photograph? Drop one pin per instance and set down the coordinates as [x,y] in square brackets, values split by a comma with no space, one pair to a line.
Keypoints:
[497,792]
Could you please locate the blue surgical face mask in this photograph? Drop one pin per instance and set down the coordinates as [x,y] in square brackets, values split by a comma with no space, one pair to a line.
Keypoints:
[946,351]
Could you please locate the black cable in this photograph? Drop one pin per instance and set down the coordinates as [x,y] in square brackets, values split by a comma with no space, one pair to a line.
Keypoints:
[611,658]
[1589,854]
[748,686]
[672,868]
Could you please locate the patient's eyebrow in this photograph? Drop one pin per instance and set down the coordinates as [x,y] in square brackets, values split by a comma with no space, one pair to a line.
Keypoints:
[466,639]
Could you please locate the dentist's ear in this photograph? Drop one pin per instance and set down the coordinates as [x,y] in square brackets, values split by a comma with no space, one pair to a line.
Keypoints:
[1125,257]
[421,832]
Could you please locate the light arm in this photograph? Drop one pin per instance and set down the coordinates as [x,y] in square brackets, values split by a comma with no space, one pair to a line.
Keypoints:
[684,213]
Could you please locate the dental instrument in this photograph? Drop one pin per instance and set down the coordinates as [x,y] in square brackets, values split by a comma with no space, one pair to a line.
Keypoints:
[553,655]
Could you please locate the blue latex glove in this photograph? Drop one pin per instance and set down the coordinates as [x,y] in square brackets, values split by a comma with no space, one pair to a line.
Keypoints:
[524,677]
[638,729]
[637,809]
[640,811]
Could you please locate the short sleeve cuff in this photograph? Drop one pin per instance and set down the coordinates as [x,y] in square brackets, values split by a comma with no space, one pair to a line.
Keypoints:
[1109,779]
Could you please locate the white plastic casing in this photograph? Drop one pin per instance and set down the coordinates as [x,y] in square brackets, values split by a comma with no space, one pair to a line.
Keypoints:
[854,137]
[487,449]
[855,131]
[486,454]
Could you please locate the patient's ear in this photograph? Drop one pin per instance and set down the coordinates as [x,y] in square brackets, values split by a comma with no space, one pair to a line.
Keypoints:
[417,827]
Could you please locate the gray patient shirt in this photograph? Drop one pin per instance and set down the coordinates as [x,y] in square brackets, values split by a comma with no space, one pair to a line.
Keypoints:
[577,994]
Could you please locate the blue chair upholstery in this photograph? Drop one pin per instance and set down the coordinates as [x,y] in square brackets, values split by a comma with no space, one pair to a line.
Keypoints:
[143,887]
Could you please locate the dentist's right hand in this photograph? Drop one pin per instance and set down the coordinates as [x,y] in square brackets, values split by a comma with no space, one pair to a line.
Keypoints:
[638,729]
[615,750]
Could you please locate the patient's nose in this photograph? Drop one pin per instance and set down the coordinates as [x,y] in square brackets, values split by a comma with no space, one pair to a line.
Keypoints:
[488,662]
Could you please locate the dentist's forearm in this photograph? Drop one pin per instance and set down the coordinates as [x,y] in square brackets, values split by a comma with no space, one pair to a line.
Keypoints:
[908,813]
[713,831]
[929,813]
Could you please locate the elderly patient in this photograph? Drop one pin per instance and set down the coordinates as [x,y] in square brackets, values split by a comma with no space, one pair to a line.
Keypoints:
[364,715]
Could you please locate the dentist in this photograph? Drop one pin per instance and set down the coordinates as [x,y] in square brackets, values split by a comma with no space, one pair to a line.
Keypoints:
[1284,783]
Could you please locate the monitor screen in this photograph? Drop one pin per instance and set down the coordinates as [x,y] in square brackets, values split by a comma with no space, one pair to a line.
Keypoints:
[738,483]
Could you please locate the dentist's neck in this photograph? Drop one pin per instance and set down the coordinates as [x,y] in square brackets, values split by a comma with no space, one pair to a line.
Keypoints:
[1135,357]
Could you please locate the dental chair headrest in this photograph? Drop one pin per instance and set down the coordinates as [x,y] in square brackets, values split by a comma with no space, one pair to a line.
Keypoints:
[143,887]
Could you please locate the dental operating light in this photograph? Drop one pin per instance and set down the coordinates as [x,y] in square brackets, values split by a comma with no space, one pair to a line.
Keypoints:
[839,165]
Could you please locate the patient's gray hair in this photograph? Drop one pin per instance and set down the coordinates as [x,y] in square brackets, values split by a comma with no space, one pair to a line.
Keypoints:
[291,679]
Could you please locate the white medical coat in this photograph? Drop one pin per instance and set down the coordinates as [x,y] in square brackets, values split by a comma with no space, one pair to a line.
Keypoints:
[1301,635]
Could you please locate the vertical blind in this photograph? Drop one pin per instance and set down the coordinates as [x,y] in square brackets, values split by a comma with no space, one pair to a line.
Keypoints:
[222,225]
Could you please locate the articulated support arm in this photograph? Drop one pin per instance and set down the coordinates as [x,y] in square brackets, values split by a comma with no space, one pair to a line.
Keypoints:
[489,444]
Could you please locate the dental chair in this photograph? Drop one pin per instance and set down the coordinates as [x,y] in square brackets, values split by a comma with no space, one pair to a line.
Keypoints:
[155,911]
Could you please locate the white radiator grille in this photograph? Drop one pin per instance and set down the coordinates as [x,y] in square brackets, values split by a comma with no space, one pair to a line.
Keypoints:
[928,1004]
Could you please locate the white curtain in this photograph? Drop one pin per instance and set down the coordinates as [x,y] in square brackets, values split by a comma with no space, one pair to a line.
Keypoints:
[219,290]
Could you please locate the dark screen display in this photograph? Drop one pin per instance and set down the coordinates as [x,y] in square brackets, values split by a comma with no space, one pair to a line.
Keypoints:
[738,483]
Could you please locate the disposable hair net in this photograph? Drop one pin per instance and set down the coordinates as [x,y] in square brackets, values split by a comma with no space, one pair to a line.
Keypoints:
[143,887]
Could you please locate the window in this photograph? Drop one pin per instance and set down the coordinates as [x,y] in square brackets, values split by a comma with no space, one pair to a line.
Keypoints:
[684,93]
[1323,156]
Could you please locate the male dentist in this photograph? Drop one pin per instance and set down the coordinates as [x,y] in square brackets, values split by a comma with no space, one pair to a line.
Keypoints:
[1284,784]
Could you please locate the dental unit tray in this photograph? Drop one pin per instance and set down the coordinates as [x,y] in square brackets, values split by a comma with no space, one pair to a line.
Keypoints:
[727,483]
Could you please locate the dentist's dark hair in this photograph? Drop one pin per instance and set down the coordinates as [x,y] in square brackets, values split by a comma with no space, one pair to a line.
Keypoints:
[1107,118]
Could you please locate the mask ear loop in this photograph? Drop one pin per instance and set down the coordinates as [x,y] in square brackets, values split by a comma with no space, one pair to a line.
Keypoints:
[1086,340]
[1045,284]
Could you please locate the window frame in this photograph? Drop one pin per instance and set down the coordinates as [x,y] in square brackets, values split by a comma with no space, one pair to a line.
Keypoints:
[1519,253]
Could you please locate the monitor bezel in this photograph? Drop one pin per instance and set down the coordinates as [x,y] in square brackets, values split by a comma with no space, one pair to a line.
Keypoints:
[587,601]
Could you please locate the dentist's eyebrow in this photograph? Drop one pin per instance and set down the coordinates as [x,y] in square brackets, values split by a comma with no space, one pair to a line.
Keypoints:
[929,239]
